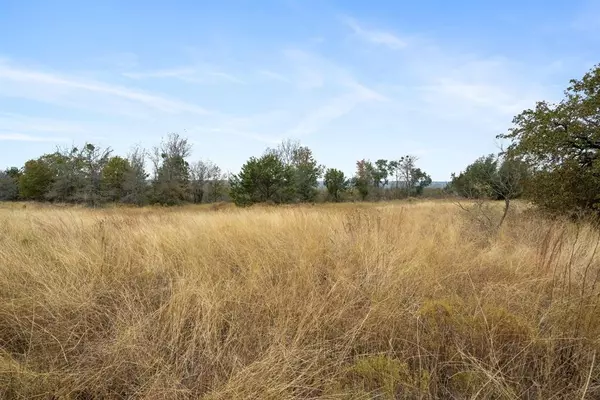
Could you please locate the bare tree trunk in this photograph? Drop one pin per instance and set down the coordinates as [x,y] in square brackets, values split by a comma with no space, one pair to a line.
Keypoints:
[506,206]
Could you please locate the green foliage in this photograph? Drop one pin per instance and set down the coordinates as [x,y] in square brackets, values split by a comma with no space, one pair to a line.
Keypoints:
[171,171]
[380,173]
[561,143]
[170,186]
[264,179]
[363,179]
[306,174]
[36,179]
[420,180]
[371,179]
[413,179]
[76,174]
[491,177]
[394,170]
[9,184]
[135,186]
[13,172]
[336,183]
[93,161]
[511,180]
[67,173]
[114,175]
[306,170]
[286,174]
[477,179]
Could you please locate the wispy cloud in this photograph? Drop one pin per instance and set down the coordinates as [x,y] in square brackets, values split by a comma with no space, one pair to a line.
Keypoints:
[409,86]
[22,137]
[330,86]
[333,109]
[486,95]
[265,127]
[246,134]
[312,71]
[477,88]
[181,73]
[308,71]
[366,93]
[24,123]
[225,76]
[39,129]
[118,60]
[375,36]
[43,80]
[186,74]
[274,75]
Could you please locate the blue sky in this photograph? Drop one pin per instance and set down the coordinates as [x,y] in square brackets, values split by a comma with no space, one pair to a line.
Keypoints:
[350,79]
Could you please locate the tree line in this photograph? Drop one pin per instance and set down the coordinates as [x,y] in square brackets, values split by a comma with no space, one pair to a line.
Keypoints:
[287,173]
[552,157]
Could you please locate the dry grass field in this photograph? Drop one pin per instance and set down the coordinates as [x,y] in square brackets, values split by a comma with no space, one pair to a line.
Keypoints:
[382,301]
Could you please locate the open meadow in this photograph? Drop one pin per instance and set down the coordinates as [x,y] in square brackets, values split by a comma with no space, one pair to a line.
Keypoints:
[404,300]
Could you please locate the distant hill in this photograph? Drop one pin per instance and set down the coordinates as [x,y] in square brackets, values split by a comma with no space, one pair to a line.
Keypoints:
[438,184]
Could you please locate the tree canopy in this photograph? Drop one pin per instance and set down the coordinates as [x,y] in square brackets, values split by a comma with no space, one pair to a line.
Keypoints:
[336,183]
[560,142]
[9,184]
[491,177]
[261,180]
[288,173]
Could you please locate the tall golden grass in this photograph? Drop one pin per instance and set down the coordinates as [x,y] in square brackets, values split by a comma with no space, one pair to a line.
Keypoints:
[389,301]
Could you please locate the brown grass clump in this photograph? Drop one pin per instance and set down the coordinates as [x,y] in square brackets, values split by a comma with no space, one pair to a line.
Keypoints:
[387,301]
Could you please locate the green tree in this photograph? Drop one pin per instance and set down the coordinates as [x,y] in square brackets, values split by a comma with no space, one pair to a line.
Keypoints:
[413,179]
[77,174]
[67,173]
[306,169]
[9,184]
[13,172]
[511,178]
[135,184]
[306,174]
[114,175]
[93,160]
[36,179]
[264,179]
[491,177]
[394,170]
[171,170]
[336,183]
[379,176]
[363,178]
[380,173]
[420,181]
[561,144]
[476,181]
